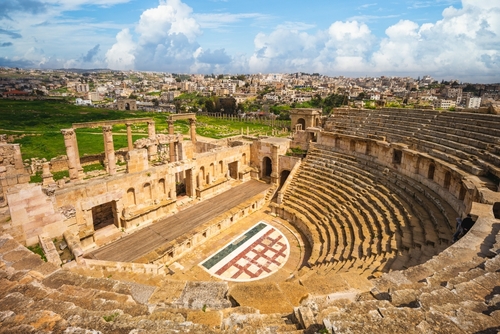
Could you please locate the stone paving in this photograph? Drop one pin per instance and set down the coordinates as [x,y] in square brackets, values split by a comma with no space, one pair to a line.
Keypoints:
[257,253]
[189,266]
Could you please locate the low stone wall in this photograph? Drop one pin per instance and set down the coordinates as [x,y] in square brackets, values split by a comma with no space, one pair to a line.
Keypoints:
[49,249]
[60,163]
[139,268]
[213,189]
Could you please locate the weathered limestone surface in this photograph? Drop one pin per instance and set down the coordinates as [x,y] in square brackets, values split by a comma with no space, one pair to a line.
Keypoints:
[376,198]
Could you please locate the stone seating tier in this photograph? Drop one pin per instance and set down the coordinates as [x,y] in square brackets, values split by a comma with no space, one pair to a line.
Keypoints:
[357,220]
[454,292]
[362,226]
[460,136]
[39,297]
[372,170]
[378,172]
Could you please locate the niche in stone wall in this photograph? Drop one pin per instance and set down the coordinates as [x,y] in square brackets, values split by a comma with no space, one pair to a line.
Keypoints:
[103,215]
[430,172]
[447,181]
[267,167]
[397,156]
[233,169]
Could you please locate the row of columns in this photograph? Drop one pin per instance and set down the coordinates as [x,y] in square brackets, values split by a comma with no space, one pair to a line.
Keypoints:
[73,154]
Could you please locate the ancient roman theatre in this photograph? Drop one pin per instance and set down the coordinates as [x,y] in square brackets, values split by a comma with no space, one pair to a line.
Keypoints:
[245,235]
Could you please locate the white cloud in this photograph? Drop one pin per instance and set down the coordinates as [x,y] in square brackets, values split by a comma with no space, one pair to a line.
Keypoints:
[343,44]
[295,26]
[121,55]
[464,43]
[169,18]
[166,39]
[219,20]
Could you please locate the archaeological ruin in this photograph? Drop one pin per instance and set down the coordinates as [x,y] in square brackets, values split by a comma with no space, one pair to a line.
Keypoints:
[346,226]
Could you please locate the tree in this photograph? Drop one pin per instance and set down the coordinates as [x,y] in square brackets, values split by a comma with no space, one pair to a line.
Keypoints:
[229,105]
[241,107]
[210,106]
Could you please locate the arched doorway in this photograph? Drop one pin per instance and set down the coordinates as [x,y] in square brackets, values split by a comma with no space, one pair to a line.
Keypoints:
[302,122]
[127,106]
[267,167]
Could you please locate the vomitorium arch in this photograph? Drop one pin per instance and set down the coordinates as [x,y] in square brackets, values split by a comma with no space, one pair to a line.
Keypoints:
[239,235]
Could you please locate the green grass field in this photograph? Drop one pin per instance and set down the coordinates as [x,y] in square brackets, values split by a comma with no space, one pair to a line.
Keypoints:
[41,122]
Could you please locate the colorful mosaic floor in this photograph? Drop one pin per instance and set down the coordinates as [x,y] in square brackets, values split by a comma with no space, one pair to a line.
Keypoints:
[257,253]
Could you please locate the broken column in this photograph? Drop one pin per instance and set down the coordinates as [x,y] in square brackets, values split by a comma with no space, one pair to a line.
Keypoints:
[109,149]
[152,148]
[69,142]
[47,177]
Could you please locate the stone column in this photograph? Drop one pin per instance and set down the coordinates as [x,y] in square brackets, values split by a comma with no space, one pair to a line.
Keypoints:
[109,149]
[173,189]
[172,144]
[69,142]
[192,130]
[130,141]
[151,130]
[77,157]
[275,165]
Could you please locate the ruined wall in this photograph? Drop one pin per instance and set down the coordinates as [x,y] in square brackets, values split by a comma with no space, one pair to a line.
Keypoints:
[32,214]
[144,194]
[12,170]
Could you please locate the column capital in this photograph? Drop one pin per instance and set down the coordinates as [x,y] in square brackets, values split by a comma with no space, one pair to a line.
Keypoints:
[107,128]
[68,132]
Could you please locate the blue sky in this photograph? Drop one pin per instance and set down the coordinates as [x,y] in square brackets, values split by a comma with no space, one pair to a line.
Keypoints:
[448,39]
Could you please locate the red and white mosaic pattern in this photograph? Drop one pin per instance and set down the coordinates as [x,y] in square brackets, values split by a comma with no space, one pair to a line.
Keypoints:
[259,257]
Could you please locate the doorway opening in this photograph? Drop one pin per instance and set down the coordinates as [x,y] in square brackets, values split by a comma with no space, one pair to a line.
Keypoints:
[103,215]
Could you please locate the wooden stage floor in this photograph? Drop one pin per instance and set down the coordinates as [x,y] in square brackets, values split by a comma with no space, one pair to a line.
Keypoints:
[138,244]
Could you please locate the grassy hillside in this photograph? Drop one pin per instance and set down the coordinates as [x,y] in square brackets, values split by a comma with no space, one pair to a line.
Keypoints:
[38,126]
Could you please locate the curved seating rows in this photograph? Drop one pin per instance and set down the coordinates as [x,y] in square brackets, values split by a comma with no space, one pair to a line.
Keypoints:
[360,210]
[450,136]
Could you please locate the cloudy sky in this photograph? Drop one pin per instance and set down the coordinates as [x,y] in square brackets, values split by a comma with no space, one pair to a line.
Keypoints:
[448,39]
